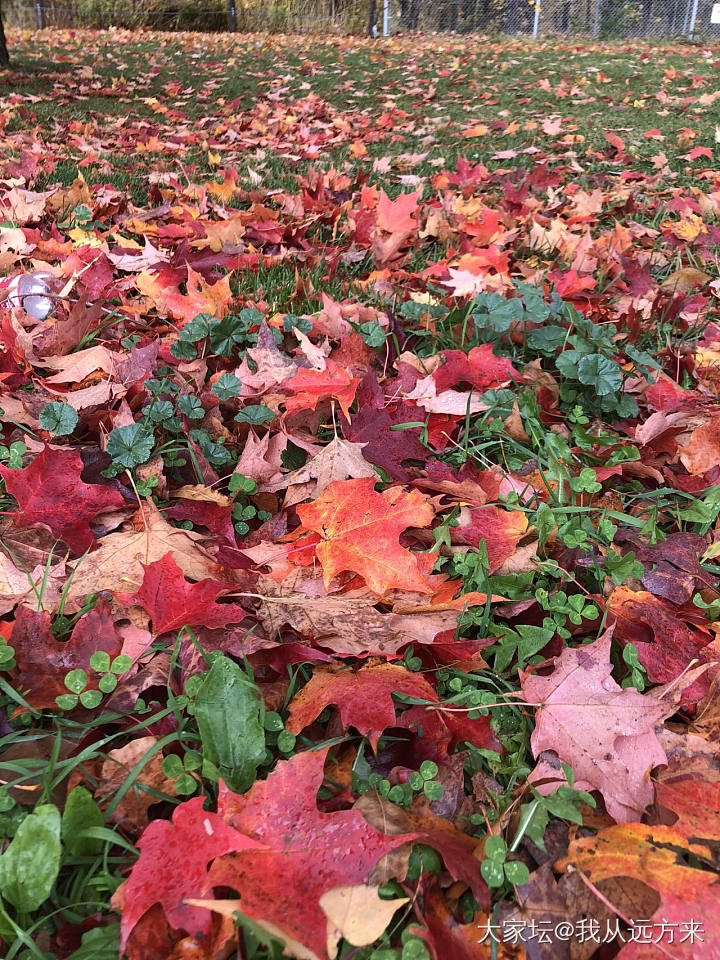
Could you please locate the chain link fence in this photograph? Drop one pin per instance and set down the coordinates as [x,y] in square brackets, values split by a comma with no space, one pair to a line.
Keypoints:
[600,19]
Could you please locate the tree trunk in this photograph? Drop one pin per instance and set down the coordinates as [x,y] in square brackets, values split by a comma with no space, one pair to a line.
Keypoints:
[372,26]
[4,55]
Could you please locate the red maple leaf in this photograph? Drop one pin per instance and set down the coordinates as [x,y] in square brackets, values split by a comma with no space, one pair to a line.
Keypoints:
[398,216]
[501,530]
[480,368]
[43,661]
[309,852]
[173,867]
[173,603]
[360,531]
[272,845]
[50,492]
[364,697]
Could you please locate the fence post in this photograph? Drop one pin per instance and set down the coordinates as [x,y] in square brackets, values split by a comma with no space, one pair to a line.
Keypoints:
[231,16]
[386,18]
[686,18]
[536,21]
[39,14]
[693,19]
[596,19]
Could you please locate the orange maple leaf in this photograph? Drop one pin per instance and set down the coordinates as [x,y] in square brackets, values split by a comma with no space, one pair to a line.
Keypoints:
[398,216]
[360,532]
[201,297]
[656,855]
[309,387]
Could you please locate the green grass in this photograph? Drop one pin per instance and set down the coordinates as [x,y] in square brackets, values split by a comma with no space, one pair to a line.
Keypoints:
[206,102]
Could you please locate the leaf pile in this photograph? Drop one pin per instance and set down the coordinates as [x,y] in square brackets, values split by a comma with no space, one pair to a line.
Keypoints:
[360,480]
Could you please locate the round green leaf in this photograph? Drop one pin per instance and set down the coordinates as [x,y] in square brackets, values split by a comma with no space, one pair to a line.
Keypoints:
[172,766]
[516,872]
[191,407]
[130,445]
[600,372]
[107,682]
[273,721]
[286,741]
[6,653]
[76,680]
[240,483]
[100,661]
[58,418]
[495,848]
[492,872]
[91,699]
[192,760]
[433,790]
[428,769]
[185,785]
[227,386]
[255,413]
[67,701]
[416,781]
[121,664]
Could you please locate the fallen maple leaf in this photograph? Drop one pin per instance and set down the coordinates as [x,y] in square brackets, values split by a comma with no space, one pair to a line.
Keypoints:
[43,661]
[305,853]
[360,532]
[603,732]
[500,530]
[39,588]
[172,602]
[702,452]
[339,460]
[457,403]
[372,426]
[117,565]
[308,387]
[348,624]
[173,867]
[50,492]
[398,216]
[656,856]
[363,697]
[479,368]
[666,645]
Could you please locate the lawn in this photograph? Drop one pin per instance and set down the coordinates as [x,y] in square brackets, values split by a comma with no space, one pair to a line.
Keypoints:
[359,498]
